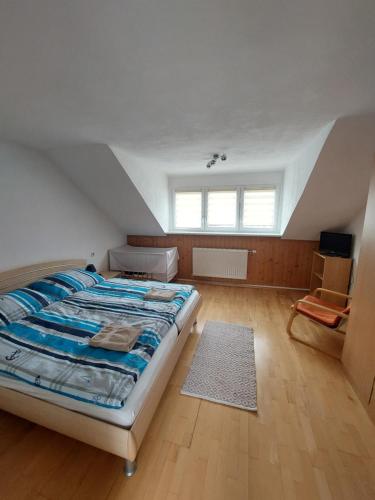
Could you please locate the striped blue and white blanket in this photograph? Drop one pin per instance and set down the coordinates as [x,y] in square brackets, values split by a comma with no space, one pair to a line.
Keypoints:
[50,348]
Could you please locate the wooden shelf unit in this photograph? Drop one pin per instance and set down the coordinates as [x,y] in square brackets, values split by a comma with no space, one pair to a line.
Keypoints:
[332,273]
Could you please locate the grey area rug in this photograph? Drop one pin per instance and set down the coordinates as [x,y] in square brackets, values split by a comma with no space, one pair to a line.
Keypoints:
[223,367]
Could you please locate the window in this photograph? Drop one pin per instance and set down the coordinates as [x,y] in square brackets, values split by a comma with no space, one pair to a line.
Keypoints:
[188,210]
[236,209]
[259,209]
[222,209]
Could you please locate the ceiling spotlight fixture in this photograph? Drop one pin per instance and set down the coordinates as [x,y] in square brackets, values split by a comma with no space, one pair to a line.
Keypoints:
[215,158]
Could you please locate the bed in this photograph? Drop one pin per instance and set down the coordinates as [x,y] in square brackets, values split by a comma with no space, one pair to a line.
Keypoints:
[119,431]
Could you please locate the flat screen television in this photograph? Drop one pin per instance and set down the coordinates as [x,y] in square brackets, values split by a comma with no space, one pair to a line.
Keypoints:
[336,244]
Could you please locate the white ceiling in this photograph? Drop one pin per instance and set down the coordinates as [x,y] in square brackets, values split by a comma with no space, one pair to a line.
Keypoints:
[171,81]
[338,186]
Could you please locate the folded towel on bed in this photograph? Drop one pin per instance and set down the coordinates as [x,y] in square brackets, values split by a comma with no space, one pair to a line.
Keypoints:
[116,338]
[160,294]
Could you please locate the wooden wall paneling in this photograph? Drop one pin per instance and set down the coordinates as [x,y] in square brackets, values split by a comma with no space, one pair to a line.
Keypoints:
[277,262]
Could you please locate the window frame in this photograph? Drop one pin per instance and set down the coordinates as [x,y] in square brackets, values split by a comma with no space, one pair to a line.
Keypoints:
[173,212]
[239,228]
[276,211]
[220,229]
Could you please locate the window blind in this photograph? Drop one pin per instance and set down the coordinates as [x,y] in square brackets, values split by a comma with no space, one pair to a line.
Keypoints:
[222,209]
[259,208]
[188,210]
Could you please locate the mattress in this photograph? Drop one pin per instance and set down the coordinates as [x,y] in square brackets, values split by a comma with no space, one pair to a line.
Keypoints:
[187,309]
[124,416]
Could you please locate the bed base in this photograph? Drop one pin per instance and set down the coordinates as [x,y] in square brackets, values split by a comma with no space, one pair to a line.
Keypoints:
[117,440]
[120,441]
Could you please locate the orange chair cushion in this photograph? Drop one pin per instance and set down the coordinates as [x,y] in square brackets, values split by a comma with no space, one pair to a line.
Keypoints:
[326,318]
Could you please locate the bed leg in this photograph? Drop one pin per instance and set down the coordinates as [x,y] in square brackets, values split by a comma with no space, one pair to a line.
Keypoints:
[130,468]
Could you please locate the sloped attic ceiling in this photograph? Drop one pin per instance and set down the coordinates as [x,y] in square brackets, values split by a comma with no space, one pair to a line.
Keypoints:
[97,172]
[167,83]
[337,188]
[173,81]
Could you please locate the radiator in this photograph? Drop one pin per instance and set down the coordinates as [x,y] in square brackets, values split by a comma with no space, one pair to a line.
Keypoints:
[220,263]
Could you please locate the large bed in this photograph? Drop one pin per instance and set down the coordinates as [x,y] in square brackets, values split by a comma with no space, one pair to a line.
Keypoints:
[119,431]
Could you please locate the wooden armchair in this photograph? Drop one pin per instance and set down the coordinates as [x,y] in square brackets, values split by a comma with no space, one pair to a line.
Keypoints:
[327,314]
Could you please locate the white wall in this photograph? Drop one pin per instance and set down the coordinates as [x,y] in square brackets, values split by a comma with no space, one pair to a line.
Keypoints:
[355,227]
[43,216]
[235,179]
[338,185]
[98,173]
[152,184]
[298,172]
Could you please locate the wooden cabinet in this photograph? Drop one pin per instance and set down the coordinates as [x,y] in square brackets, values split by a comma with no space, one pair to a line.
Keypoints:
[359,349]
[332,273]
[372,401]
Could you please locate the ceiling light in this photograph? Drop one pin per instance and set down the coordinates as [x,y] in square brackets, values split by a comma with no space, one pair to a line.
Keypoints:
[215,158]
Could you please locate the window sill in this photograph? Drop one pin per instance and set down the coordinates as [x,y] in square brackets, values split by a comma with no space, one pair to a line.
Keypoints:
[222,233]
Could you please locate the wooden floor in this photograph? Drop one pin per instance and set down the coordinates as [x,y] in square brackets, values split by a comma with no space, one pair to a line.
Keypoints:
[311,439]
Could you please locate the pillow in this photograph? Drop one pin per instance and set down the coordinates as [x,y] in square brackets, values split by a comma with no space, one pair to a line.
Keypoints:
[63,284]
[21,303]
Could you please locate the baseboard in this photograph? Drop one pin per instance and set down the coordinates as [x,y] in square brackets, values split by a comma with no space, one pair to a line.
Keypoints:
[240,285]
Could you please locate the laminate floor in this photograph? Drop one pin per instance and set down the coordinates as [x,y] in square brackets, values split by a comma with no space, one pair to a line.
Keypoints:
[311,438]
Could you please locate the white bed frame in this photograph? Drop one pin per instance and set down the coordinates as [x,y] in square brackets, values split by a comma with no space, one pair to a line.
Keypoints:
[109,437]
